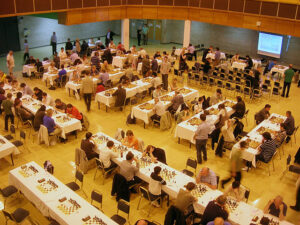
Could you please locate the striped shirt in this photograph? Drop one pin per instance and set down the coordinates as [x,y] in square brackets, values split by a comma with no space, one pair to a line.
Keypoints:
[268,149]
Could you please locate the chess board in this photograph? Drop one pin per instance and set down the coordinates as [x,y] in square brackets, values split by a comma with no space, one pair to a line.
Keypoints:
[168,175]
[199,191]
[166,98]
[147,80]
[275,119]
[184,91]
[114,72]
[109,92]
[98,141]
[232,204]
[93,221]
[229,104]
[36,106]
[213,111]
[261,130]
[129,86]
[252,143]
[68,207]
[62,119]
[146,106]
[46,186]
[28,171]
[257,220]
[194,121]
[2,142]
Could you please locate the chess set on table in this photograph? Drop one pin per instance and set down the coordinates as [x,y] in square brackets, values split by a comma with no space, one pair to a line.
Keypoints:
[109,92]
[199,191]
[232,204]
[229,104]
[146,106]
[62,119]
[147,80]
[99,140]
[168,175]
[46,187]
[27,100]
[213,111]
[275,119]
[166,98]
[252,143]
[93,221]
[145,162]
[264,220]
[184,91]
[261,130]
[36,105]
[194,121]
[2,142]
[28,171]
[68,206]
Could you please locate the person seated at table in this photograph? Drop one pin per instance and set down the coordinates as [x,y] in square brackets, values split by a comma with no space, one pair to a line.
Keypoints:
[239,108]
[184,114]
[62,54]
[112,45]
[61,73]
[73,112]
[15,84]
[104,76]
[157,92]
[38,65]
[88,146]
[154,66]
[37,94]
[156,81]
[38,118]
[130,140]
[176,102]
[235,58]
[280,135]
[269,66]
[128,170]
[100,87]
[208,177]
[142,53]
[52,68]
[106,155]
[276,207]
[217,97]
[236,191]
[198,107]
[173,84]
[85,60]
[289,125]
[133,49]
[155,185]
[157,55]
[94,71]
[158,109]
[18,97]
[120,95]
[145,65]
[107,56]
[249,63]
[69,45]
[22,113]
[262,114]
[124,79]
[74,76]
[214,209]
[50,124]
[156,154]
[47,100]
[121,48]
[185,198]
[128,72]
[95,61]
[60,106]
[26,90]
[207,66]
[74,56]
[105,66]
[56,60]
[267,148]
[2,76]
[218,221]
[30,61]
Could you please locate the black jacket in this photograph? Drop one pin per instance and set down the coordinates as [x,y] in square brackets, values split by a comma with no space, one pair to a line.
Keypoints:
[120,187]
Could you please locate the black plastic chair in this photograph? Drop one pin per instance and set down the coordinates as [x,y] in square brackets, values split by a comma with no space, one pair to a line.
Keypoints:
[95,196]
[18,216]
[146,195]
[192,163]
[19,143]
[73,185]
[8,192]
[275,91]
[125,208]
[220,84]
[247,194]
[12,131]
[290,168]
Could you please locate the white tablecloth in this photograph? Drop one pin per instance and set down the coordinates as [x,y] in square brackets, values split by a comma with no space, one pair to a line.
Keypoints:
[212,55]
[279,70]
[185,130]
[109,100]
[242,65]
[7,148]
[144,114]
[48,202]
[250,153]
[118,61]
[139,68]
[31,68]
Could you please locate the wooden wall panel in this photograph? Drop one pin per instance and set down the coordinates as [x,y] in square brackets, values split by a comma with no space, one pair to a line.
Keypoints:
[166,2]
[235,20]
[269,8]
[102,2]
[297,29]
[24,6]
[236,5]
[89,3]
[165,13]
[59,4]
[88,16]
[287,11]
[268,24]
[114,13]
[206,15]
[220,18]
[102,14]
[134,2]
[180,14]
[150,2]
[134,12]
[284,27]
[73,4]
[150,13]
[249,22]
[181,2]
[252,6]
[74,17]
[207,4]
[221,4]
[194,3]
[194,14]
[42,5]
[7,7]
[115,2]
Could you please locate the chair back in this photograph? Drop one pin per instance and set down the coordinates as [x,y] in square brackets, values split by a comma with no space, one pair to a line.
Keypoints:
[246,90]
[145,193]
[79,176]
[8,215]
[12,129]
[275,90]
[276,84]
[191,162]
[228,85]
[22,134]
[95,196]
[288,160]
[123,206]
[247,193]
[218,180]
[267,82]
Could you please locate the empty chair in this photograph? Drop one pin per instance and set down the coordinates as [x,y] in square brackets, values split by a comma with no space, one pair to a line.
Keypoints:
[190,163]
[8,192]
[146,195]
[256,94]
[220,84]
[211,81]
[265,89]
[96,196]
[231,72]
[268,164]
[197,77]
[222,76]
[247,92]
[267,82]
[215,73]
[247,193]
[277,84]
[12,131]
[248,83]
[19,143]
[125,208]
[228,86]
[230,78]
[238,89]
[101,168]
[238,80]
[18,216]
[239,75]
[176,72]
[73,185]
[290,168]
[275,91]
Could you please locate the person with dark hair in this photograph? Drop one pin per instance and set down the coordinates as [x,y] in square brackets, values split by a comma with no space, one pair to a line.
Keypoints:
[236,163]
[60,106]
[288,78]
[26,90]
[69,46]
[217,97]
[73,112]
[106,156]
[205,52]
[23,114]
[217,56]
[130,140]
[7,106]
[236,191]
[155,185]
[145,65]
[214,209]
[47,100]
[262,114]
[165,70]
[276,207]
[120,95]
[201,136]
[18,98]
[87,89]
[198,107]
[249,63]
[280,135]
[185,198]
[128,170]
[2,98]
[296,207]
[239,108]
[38,118]
[267,148]
[88,146]
[38,94]
[61,73]
[184,114]
[176,102]
[53,41]
[289,125]
[156,154]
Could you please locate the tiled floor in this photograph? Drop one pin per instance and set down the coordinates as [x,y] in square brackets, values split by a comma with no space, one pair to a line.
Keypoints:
[262,186]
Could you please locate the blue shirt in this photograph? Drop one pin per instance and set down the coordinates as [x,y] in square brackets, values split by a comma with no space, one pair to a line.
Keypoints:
[213,223]
[271,64]
[49,123]
[211,178]
[61,73]
[53,38]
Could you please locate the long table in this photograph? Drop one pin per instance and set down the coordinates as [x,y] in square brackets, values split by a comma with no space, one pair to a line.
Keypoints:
[255,138]
[185,130]
[29,68]
[7,148]
[145,114]
[138,86]
[242,214]
[33,181]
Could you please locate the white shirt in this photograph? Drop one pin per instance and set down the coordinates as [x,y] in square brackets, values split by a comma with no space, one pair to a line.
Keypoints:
[156,81]
[156,93]
[106,155]
[143,53]
[62,55]
[11,61]
[48,101]
[159,109]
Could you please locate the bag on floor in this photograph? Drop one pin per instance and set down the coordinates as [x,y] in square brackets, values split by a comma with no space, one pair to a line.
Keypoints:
[131,120]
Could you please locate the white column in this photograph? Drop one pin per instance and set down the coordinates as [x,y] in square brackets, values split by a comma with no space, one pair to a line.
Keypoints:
[125,33]
[187,33]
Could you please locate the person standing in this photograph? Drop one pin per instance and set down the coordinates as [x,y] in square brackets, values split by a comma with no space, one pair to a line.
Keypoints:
[7,106]
[87,89]
[288,77]
[145,34]
[26,50]
[165,69]
[201,137]
[10,62]
[139,35]
[53,43]
[109,37]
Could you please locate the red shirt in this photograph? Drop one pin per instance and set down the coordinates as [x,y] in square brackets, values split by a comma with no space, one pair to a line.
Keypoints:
[100,88]
[73,111]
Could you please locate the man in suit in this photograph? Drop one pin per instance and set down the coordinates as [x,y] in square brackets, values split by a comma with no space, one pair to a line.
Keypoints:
[87,89]
[109,37]
[53,43]
[88,146]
